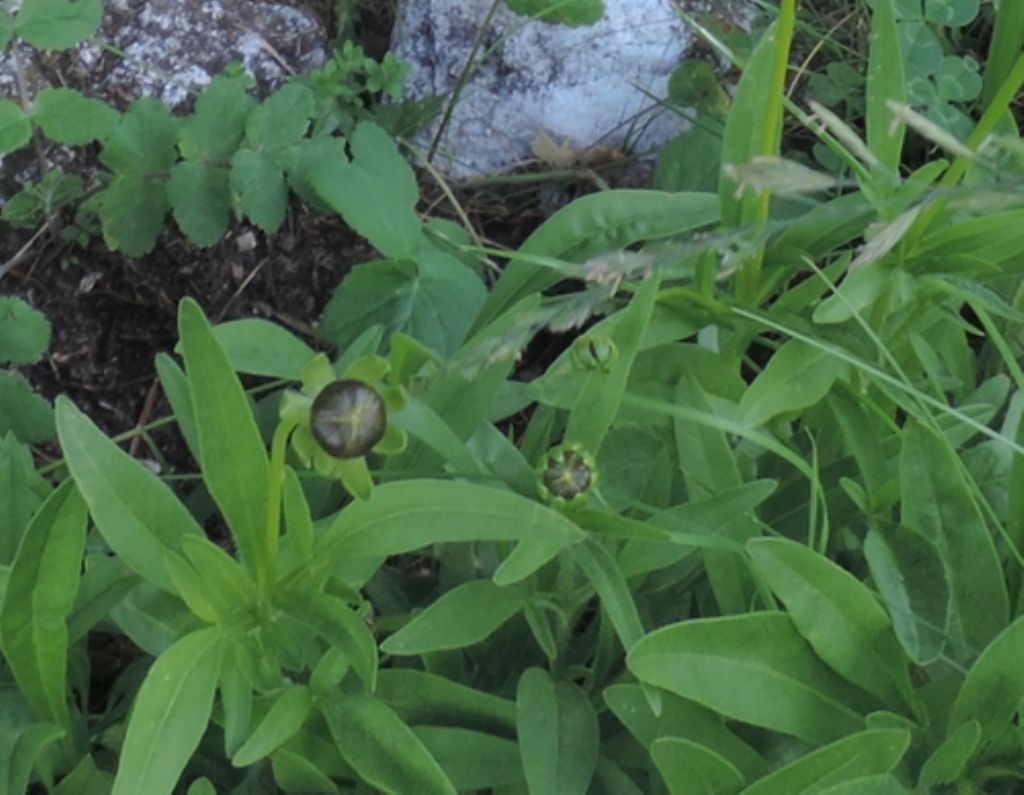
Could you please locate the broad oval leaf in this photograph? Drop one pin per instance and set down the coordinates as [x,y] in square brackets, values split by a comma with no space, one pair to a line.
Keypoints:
[689,768]
[798,376]
[558,735]
[754,668]
[994,687]
[838,616]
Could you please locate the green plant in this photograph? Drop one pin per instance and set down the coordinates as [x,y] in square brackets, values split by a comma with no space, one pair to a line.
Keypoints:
[782,451]
[24,338]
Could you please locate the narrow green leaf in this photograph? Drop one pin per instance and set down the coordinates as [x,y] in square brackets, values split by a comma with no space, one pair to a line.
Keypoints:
[684,719]
[175,386]
[612,590]
[170,715]
[415,513]
[135,511]
[601,392]
[938,503]
[40,594]
[22,491]
[472,760]
[341,627]
[283,720]
[754,668]
[592,225]
[295,773]
[463,616]
[870,752]
[689,768]
[381,748]
[85,779]
[558,735]
[886,83]
[838,616]
[233,457]
[949,761]
[798,376]
[425,698]
[994,688]
[909,574]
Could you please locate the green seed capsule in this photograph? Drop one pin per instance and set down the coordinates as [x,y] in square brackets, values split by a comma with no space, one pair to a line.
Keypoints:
[567,474]
[348,418]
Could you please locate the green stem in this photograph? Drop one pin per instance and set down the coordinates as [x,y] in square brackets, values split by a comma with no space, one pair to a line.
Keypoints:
[278,448]
[748,280]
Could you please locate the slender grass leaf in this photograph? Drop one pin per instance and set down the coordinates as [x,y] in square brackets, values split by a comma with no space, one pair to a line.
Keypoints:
[683,719]
[232,454]
[558,735]
[463,616]
[40,594]
[754,668]
[871,752]
[911,577]
[838,616]
[170,715]
[135,512]
[283,720]
[689,768]
[886,83]
[381,748]
[472,760]
[938,503]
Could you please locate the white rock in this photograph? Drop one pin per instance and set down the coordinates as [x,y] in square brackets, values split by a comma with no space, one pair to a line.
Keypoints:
[588,87]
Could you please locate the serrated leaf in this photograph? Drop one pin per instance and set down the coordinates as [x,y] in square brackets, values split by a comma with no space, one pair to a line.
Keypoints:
[144,140]
[376,193]
[24,332]
[281,119]
[435,309]
[201,200]
[132,210]
[22,412]
[573,13]
[15,129]
[58,24]
[68,117]
[259,184]
[217,125]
